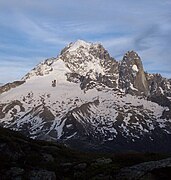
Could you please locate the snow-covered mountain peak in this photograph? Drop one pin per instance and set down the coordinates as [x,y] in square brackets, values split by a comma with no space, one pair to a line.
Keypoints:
[80,57]
[87,58]
[81,46]
[79,43]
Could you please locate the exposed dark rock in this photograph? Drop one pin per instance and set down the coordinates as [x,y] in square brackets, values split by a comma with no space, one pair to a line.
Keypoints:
[144,170]
[131,75]
[15,173]
[158,85]
[42,174]
[48,157]
[80,167]
[9,86]
[41,69]
[73,77]
[161,100]
[166,114]
[104,161]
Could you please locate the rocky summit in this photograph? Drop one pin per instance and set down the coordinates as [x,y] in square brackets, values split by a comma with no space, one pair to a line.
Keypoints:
[90,101]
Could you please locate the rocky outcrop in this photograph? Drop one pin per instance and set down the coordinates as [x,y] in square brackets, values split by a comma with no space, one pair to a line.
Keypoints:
[160,90]
[146,170]
[9,86]
[41,69]
[131,75]
[36,174]
[41,174]
[158,85]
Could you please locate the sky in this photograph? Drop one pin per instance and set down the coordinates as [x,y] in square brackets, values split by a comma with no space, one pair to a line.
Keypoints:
[33,30]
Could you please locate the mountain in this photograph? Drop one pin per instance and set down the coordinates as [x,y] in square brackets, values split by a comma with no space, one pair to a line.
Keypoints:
[90,101]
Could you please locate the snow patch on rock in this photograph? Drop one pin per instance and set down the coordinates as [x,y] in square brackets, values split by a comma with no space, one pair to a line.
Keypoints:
[76,45]
[135,68]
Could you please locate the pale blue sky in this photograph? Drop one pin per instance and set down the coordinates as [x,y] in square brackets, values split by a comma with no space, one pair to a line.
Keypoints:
[32,30]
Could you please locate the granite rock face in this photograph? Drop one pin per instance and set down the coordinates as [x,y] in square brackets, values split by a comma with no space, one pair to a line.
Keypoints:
[131,75]
[158,85]
[145,170]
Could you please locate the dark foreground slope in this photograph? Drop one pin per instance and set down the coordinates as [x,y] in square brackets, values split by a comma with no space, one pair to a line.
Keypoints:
[23,158]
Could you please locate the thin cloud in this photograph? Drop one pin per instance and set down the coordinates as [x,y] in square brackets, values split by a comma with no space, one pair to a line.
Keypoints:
[37,31]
